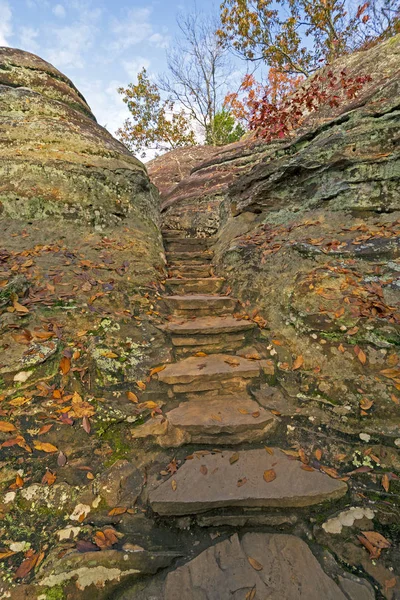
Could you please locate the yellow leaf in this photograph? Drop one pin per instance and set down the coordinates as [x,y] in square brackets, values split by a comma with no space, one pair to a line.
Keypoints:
[44,446]
[20,401]
[19,308]
[174,485]
[269,450]
[255,564]
[141,385]
[132,397]
[385,482]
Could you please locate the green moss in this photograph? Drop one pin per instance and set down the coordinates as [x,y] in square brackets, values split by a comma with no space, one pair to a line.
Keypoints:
[117,437]
[55,593]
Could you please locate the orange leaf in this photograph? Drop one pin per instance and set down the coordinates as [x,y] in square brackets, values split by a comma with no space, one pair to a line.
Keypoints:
[269,475]
[318,454]
[385,482]
[141,385]
[118,510]
[26,566]
[156,370]
[234,458]
[360,355]
[6,427]
[132,397]
[174,485]
[65,365]
[298,363]
[49,478]
[376,539]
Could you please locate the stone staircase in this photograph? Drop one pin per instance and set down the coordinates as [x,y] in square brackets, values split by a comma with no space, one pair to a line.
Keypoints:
[213,408]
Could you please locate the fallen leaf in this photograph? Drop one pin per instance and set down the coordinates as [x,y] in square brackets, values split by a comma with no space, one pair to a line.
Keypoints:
[65,365]
[366,403]
[234,458]
[141,385]
[174,485]
[385,482]
[203,470]
[269,475]
[255,564]
[298,363]
[233,362]
[200,354]
[374,552]
[307,468]
[45,429]
[61,459]
[329,471]
[156,370]
[19,308]
[132,397]
[44,446]
[118,510]
[6,427]
[269,450]
[251,594]
[26,566]
[352,331]
[360,355]
[395,399]
[86,424]
[6,553]
[318,454]
[376,539]
[49,478]
[242,482]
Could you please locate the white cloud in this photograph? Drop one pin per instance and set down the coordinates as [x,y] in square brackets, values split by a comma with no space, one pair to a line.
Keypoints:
[161,41]
[5,23]
[134,29]
[27,39]
[59,11]
[72,42]
[132,67]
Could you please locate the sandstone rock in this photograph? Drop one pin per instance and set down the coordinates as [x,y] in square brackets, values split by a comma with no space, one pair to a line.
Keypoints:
[120,484]
[209,368]
[242,484]
[286,568]
[202,305]
[208,325]
[217,421]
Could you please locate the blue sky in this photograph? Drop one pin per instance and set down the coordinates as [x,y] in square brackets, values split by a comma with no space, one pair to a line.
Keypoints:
[100,45]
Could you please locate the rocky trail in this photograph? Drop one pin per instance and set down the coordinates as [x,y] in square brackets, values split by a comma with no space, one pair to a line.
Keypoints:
[199,358]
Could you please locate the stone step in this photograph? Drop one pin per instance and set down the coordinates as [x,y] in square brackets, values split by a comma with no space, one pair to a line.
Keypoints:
[208,326]
[217,421]
[200,285]
[213,368]
[226,343]
[209,481]
[200,257]
[190,271]
[200,305]
[187,244]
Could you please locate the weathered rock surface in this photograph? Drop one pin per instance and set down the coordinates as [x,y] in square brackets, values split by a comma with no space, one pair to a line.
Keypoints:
[274,566]
[237,479]
[218,421]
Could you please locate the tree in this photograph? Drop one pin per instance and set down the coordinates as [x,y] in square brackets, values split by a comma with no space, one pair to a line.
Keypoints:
[226,129]
[300,36]
[155,123]
[198,71]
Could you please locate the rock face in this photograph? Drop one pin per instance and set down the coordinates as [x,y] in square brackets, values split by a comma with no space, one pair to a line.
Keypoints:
[56,161]
[259,565]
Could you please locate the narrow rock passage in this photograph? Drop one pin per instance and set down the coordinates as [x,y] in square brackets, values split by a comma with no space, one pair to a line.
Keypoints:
[215,363]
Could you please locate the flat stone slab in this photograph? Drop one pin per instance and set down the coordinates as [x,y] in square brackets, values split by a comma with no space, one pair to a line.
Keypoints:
[203,255]
[209,368]
[201,301]
[242,484]
[199,285]
[218,420]
[286,570]
[209,325]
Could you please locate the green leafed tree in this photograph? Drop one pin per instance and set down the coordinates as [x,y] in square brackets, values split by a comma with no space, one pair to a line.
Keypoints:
[225,129]
[155,123]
